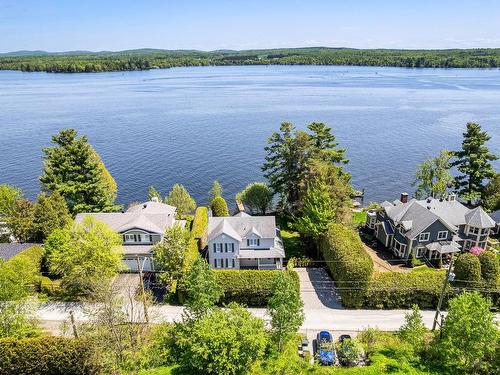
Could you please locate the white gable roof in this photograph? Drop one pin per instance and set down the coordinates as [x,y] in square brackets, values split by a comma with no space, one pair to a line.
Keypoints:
[239,227]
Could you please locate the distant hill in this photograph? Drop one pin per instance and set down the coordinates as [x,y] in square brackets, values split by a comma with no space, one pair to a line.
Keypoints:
[150,58]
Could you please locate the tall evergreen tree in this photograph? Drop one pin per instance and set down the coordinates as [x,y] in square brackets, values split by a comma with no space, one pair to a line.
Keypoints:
[325,145]
[285,165]
[473,161]
[215,191]
[153,193]
[73,168]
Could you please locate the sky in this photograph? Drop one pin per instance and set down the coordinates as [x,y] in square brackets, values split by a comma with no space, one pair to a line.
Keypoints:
[96,25]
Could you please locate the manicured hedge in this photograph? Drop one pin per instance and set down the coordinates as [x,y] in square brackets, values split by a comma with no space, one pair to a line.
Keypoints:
[46,356]
[392,290]
[467,268]
[199,229]
[219,207]
[249,287]
[489,268]
[32,257]
[350,265]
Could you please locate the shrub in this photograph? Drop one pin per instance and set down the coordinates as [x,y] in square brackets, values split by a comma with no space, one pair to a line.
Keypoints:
[249,287]
[33,256]
[219,207]
[200,226]
[489,267]
[467,268]
[350,265]
[46,356]
[391,290]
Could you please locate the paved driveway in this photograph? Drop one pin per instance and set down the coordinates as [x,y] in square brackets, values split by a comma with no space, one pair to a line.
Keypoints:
[317,290]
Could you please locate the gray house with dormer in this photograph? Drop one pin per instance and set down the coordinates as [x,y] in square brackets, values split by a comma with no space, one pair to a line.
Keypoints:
[141,227]
[430,228]
[244,242]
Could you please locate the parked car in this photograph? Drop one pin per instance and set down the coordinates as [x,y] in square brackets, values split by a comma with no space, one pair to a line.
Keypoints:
[349,352]
[324,348]
[344,337]
[304,348]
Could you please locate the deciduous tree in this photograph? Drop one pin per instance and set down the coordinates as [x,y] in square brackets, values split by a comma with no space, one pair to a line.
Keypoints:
[8,196]
[73,168]
[491,194]
[226,342]
[317,212]
[21,220]
[257,197]
[286,309]
[179,197]
[469,335]
[473,162]
[202,290]
[85,255]
[433,177]
[413,330]
[51,212]
[169,253]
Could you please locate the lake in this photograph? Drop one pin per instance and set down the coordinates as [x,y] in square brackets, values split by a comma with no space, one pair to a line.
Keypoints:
[195,125]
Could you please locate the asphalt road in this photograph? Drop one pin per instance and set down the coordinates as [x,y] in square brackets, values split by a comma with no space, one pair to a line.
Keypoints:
[322,309]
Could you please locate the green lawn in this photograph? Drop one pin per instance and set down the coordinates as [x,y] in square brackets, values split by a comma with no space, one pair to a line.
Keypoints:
[358,218]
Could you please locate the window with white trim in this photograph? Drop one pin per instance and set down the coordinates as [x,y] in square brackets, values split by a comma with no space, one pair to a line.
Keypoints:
[424,236]
[217,248]
[253,242]
[485,231]
[399,247]
[442,235]
[420,252]
[401,230]
[474,230]
[129,238]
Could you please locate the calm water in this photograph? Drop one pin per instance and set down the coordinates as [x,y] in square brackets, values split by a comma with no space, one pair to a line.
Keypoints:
[194,125]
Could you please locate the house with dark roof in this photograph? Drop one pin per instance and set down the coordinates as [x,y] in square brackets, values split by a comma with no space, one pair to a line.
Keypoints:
[429,228]
[245,242]
[141,227]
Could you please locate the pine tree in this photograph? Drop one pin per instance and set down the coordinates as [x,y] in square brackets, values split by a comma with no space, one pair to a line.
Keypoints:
[215,191]
[473,161]
[73,168]
[285,165]
[179,197]
[153,193]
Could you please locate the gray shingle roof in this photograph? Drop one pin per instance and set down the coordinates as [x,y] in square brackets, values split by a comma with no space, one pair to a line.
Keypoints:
[9,250]
[152,217]
[478,218]
[240,226]
[267,253]
[416,215]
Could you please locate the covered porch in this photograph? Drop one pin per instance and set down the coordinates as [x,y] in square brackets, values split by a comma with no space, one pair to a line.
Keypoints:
[268,259]
[436,250]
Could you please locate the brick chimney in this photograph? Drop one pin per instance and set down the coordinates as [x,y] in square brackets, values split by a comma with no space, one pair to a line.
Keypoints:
[404,198]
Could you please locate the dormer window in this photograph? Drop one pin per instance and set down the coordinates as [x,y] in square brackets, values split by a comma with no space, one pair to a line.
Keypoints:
[401,230]
[474,230]
[253,242]
[129,238]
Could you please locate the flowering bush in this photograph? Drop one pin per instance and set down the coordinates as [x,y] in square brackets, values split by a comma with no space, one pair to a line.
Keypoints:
[476,250]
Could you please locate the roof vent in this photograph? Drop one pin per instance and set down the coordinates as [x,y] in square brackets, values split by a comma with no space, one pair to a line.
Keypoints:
[452,197]
[429,200]
[144,205]
[154,199]
[428,207]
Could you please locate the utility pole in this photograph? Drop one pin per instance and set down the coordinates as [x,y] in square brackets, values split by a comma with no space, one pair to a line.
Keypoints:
[449,277]
[143,292]
[73,324]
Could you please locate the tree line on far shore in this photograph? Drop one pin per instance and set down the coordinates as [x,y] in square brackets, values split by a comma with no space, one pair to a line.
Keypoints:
[150,59]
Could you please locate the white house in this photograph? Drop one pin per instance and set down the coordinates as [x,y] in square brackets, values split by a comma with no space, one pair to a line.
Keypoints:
[245,242]
[141,226]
